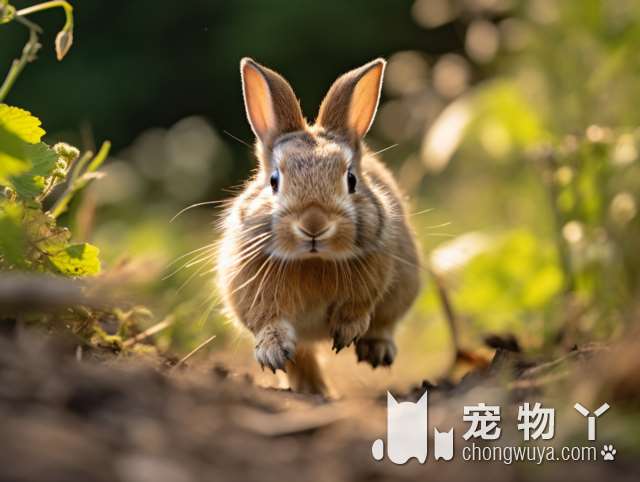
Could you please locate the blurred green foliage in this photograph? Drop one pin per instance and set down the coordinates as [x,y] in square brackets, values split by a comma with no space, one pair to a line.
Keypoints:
[562,116]
[511,283]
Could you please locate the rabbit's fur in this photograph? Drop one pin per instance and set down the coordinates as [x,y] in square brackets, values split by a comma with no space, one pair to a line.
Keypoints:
[308,253]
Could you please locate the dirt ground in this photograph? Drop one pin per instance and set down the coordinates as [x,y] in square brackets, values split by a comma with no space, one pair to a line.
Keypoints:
[130,419]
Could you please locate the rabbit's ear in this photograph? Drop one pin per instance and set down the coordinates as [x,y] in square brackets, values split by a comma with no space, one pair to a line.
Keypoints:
[272,107]
[350,105]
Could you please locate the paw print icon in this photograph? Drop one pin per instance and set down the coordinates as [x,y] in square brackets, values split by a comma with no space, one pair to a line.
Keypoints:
[608,452]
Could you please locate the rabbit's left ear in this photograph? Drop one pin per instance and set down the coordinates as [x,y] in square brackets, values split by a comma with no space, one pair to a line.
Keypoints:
[272,107]
[350,105]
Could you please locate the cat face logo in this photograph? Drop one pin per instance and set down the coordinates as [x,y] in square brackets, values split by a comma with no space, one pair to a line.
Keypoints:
[407,427]
[443,444]
[406,431]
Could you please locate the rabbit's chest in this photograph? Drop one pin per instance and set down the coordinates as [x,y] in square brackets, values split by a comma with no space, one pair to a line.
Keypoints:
[311,322]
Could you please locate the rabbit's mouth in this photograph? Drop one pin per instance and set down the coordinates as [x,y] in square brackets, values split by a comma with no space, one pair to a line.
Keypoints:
[314,241]
[296,240]
[314,248]
[321,249]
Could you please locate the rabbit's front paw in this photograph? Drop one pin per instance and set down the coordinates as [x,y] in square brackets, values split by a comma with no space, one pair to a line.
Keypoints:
[275,345]
[346,332]
[376,351]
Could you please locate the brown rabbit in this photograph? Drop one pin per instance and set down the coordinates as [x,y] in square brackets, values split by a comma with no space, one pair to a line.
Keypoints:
[318,244]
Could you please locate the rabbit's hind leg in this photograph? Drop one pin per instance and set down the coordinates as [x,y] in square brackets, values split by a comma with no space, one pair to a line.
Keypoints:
[304,372]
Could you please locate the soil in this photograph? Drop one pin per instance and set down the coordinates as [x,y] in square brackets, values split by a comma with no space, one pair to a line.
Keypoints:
[133,419]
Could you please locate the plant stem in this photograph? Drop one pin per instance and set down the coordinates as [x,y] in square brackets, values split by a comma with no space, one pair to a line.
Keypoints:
[32,46]
[550,165]
[28,55]
[68,10]
[447,309]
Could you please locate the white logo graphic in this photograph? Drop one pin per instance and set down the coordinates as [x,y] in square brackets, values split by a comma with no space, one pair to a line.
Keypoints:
[484,421]
[406,431]
[536,422]
[407,427]
[407,434]
[591,418]
[608,452]
[443,444]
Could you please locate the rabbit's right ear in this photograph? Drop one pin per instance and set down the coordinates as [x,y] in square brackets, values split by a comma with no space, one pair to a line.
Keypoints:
[272,107]
[350,105]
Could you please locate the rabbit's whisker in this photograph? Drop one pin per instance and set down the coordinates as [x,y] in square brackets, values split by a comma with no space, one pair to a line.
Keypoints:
[208,246]
[282,266]
[435,226]
[245,263]
[200,259]
[251,249]
[250,280]
[208,273]
[205,203]
[246,260]
[362,265]
[441,235]
[251,239]
[363,278]
[384,150]
[196,273]
[188,264]
[371,275]
[205,316]
[409,263]
[248,256]
[249,235]
[424,211]
[211,253]
[264,277]
[237,138]
[252,228]
[212,298]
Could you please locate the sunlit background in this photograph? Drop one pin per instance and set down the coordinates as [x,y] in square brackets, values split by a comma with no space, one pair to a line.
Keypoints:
[511,124]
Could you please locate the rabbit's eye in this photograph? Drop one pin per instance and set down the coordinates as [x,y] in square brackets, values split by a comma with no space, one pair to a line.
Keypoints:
[275,181]
[351,182]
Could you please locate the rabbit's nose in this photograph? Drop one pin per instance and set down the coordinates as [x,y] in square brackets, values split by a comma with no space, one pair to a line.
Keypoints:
[313,222]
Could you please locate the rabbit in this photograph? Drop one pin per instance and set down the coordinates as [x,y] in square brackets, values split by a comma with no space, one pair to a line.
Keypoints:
[318,244]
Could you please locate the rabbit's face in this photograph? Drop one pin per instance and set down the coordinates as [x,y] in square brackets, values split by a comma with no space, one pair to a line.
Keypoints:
[310,192]
[316,198]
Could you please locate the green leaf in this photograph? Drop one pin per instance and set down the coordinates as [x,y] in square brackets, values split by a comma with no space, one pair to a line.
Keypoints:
[43,161]
[12,236]
[21,123]
[77,260]
[21,149]
[13,156]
